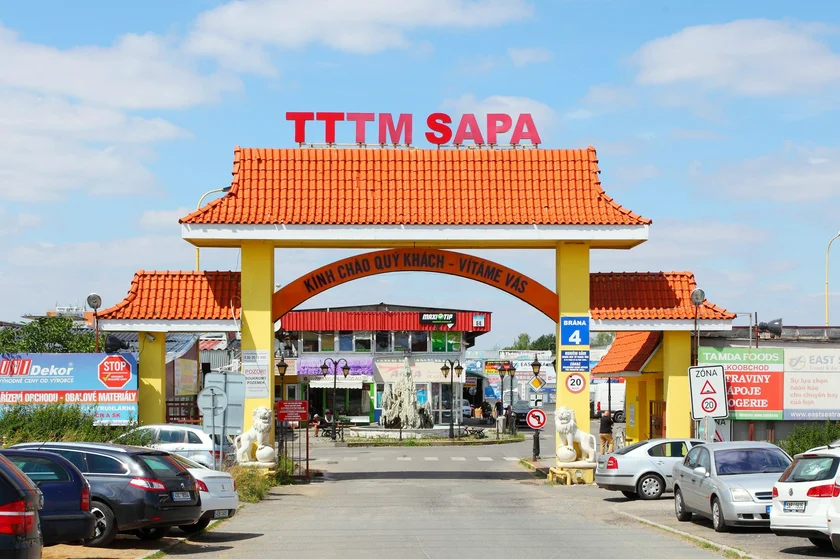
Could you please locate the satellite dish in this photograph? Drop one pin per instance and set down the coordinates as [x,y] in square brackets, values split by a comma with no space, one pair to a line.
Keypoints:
[94,301]
[697,297]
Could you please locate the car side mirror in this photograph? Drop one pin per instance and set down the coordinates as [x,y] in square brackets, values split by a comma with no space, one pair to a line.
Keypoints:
[701,471]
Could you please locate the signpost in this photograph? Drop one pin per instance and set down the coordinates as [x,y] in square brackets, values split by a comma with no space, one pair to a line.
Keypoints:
[536,420]
[708,392]
[212,402]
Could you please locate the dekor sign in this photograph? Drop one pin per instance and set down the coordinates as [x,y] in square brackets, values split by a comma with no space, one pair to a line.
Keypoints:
[439,127]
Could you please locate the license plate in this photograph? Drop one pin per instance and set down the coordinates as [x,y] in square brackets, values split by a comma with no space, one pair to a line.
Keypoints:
[181,496]
[794,506]
[768,508]
[220,514]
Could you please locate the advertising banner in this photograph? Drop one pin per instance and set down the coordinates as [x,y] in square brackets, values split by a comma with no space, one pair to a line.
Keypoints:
[754,380]
[421,371]
[311,366]
[104,384]
[186,377]
[255,367]
[812,384]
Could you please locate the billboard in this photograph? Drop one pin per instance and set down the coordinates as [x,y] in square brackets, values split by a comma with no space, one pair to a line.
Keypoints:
[98,382]
[812,384]
[755,378]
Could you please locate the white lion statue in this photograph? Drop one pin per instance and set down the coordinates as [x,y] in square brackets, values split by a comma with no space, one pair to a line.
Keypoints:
[569,434]
[258,433]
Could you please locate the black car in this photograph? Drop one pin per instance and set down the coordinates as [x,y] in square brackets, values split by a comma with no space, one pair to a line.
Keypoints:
[66,515]
[134,490]
[20,502]
[521,409]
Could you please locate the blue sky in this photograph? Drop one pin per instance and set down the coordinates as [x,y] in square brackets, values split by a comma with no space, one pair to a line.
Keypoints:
[715,119]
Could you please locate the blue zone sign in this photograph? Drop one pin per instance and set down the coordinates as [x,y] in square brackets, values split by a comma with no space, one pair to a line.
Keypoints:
[574,330]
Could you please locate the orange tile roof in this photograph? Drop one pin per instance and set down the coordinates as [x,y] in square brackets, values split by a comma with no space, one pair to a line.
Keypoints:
[629,352]
[415,187]
[178,296]
[648,296]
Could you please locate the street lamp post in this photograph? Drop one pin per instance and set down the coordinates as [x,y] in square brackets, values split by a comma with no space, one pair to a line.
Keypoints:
[835,237]
[198,207]
[535,367]
[510,372]
[457,369]
[346,371]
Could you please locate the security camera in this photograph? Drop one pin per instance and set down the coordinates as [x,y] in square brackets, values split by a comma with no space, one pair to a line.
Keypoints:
[150,338]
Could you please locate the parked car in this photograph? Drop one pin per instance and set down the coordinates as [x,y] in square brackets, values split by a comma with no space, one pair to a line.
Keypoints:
[189,441]
[133,489]
[521,409]
[219,498]
[20,504]
[644,469]
[730,483]
[803,495]
[466,408]
[66,515]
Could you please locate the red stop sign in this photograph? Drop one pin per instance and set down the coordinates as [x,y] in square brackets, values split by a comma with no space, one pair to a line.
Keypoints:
[114,371]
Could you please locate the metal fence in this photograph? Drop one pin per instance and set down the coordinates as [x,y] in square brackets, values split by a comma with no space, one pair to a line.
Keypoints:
[292,440]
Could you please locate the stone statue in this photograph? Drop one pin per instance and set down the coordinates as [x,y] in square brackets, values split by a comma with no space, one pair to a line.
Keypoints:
[399,406]
[258,434]
[569,434]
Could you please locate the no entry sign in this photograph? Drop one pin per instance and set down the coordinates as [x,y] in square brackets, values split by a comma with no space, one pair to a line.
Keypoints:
[708,392]
[535,419]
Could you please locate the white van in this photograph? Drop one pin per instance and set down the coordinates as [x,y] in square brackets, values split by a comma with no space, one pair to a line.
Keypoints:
[609,396]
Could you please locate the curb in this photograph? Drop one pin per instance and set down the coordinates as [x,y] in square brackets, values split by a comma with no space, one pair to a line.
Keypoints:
[690,537]
[537,467]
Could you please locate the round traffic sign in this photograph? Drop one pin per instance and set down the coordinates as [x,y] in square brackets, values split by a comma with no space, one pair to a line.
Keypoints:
[709,405]
[575,383]
[212,400]
[535,419]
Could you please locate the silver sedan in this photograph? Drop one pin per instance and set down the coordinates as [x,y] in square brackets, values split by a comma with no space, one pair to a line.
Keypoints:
[642,469]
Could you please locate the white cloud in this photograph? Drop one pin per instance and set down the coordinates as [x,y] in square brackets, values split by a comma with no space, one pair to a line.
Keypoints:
[635,173]
[239,34]
[15,223]
[754,58]
[543,115]
[793,174]
[600,100]
[523,56]
[157,220]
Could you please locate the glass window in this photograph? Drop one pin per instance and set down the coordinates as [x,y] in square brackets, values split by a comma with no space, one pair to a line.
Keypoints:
[383,342]
[630,448]
[401,341]
[817,468]
[76,458]
[193,438]
[362,342]
[327,341]
[420,342]
[422,394]
[170,436]
[162,464]
[439,341]
[674,449]
[750,461]
[445,396]
[436,396]
[453,341]
[310,342]
[40,469]
[345,341]
[691,459]
[703,460]
[98,464]
[380,389]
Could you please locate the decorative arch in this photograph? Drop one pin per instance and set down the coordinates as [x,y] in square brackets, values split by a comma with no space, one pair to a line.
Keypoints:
[438,261]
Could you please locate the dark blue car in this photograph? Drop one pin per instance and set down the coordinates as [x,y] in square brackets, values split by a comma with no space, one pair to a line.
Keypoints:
[66,515]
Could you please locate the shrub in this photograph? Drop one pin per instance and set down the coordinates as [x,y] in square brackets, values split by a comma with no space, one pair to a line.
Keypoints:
[58,422]
[805,437]
[251,483]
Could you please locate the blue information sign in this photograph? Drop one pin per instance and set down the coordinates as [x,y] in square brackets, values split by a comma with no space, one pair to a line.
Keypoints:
[574,330]
[574,360]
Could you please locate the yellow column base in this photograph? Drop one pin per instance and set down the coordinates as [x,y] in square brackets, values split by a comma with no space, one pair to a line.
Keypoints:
[677,358]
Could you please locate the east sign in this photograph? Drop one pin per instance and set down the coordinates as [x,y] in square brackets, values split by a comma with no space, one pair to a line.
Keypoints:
[441,128]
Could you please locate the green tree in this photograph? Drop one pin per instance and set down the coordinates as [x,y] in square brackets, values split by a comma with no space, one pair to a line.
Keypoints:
[522,341]
[546,342]
[50,334]
[601,339]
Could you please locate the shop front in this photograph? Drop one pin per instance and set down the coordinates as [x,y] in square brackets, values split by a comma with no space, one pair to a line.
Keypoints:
[348,396]
[442,393]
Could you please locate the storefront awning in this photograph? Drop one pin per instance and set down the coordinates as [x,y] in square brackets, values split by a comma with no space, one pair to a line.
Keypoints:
[628,355]
[355,384]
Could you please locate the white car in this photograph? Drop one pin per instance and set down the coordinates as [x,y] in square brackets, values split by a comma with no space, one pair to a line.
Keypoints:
[189,441]
[804,495]
[219,498]
[466,408]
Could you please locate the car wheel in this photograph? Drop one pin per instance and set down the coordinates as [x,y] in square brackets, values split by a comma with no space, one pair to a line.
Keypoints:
[105,525]
[630,495]
[619,417]
[650,487]
[197,527]
[679,507]
[149,534]
[822,544]
[718,521]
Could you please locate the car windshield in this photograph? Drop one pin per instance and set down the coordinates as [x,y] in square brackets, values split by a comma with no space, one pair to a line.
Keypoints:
[811,468]
[739,461]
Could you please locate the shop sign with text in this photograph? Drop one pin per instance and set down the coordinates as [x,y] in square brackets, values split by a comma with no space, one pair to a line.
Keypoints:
[754,380]
[441,128]
[812,384]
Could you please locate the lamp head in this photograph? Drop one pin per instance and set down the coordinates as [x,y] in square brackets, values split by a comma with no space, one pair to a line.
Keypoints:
[324,369]
[281,367]
[697,297]
[445,370]
[458,370]
[226,189]
[346,370]
[535,366]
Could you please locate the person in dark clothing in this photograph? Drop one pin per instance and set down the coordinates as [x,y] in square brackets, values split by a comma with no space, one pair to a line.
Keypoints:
[499,409]
[606,432]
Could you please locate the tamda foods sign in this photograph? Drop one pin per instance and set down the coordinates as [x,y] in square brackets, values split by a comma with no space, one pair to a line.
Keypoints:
[440,128]
[755,380]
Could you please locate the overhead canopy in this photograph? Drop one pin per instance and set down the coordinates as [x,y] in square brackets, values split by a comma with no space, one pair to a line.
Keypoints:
[355,384]
[628,354]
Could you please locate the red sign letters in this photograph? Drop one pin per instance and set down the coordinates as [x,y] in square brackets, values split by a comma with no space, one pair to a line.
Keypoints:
[400,130]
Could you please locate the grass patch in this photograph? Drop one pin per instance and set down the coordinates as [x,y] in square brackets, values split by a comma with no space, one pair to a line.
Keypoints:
[22,423]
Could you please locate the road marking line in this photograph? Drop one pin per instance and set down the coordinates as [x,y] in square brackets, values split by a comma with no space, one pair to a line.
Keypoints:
[431,457]
[404,458]
[351,458]
[377,458]
[459,458]
[511,459]
[484,459]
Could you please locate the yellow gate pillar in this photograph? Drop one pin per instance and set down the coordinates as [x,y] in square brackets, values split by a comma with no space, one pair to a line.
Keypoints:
[676,347]
[572,274]
[631,408]
[257,328]
[151,372]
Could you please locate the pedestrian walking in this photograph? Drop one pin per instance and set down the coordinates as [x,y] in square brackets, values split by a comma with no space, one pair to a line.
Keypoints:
[499,412]
[316,420]
[606,431]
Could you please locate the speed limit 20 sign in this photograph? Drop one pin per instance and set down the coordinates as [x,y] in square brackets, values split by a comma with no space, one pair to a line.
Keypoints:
[575,383]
